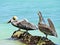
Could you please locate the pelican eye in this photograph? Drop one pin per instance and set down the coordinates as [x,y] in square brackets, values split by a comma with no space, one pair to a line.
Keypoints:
[14,18]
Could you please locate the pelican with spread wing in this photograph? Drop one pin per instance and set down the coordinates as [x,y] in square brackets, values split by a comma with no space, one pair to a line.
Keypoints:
[23,24]
[47,30]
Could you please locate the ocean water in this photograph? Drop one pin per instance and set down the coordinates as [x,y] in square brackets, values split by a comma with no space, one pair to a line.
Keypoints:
[28,9]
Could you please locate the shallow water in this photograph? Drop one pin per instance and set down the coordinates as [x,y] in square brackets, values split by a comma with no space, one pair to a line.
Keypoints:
[28,9]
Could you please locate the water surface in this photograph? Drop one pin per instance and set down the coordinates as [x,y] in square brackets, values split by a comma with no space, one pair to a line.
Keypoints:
[27,9]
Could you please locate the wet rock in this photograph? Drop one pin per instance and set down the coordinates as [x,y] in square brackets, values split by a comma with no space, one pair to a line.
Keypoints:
[28,39]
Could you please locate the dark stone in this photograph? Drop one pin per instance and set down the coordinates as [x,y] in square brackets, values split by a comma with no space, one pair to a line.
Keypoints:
[28,39]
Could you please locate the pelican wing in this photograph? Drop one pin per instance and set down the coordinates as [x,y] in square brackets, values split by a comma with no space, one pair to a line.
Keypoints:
[26,25]
[51,24]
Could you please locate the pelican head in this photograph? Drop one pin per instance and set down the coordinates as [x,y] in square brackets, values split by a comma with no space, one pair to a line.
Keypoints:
[39,13]
[14,18]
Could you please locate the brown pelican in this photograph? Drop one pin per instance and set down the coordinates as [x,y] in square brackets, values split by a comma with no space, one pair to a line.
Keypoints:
[23,24]
[47,30]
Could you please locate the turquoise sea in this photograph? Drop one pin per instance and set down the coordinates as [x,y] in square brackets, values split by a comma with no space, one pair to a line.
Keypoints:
[28,9]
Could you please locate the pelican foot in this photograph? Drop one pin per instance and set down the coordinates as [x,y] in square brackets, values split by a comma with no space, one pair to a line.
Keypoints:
[45,39]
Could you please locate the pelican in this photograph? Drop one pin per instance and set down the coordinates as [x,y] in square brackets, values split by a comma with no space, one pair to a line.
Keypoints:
[46,29]
[23,24]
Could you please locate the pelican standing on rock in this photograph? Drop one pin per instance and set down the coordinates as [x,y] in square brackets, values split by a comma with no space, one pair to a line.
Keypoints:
[24,24]
[47,30]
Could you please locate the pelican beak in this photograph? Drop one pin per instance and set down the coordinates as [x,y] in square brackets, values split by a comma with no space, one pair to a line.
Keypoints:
[9,21]
[39,13]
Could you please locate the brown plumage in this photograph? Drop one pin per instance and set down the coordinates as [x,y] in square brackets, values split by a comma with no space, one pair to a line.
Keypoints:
[47,30]
[23,24]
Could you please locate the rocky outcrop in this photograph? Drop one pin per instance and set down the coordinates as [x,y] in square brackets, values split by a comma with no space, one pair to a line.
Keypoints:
[28,39]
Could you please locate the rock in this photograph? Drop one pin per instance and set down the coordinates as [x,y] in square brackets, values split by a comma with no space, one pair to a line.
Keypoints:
[45,41]
[28,39]
[17,34]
